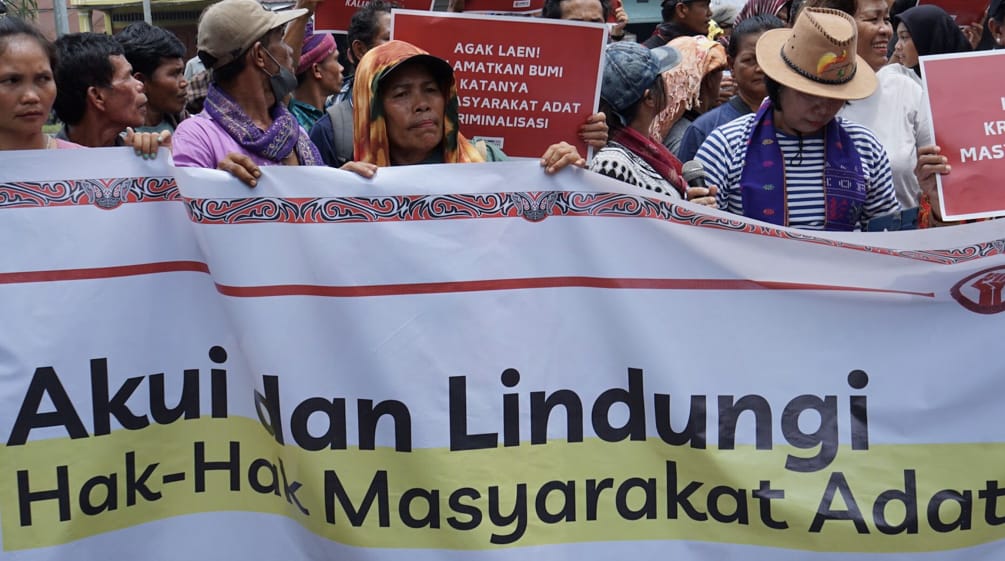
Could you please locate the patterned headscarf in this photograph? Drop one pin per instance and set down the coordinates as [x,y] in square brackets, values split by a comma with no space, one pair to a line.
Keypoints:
[370,139]
[700,56]
[760,7]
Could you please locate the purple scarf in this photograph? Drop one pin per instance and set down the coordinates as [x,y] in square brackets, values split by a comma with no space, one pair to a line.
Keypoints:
[274,144]
[762,182]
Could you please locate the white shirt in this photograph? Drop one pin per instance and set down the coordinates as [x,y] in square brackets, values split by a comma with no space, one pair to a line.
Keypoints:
[896,113]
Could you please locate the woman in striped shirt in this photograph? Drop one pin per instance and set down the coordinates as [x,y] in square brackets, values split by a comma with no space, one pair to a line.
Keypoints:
[794,163]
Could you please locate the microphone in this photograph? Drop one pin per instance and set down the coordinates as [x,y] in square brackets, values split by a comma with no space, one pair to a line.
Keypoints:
[694,173]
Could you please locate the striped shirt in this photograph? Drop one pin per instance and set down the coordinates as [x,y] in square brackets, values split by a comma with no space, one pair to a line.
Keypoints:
[724,151]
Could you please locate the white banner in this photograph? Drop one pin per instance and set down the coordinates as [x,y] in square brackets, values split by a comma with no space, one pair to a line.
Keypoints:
[481,362]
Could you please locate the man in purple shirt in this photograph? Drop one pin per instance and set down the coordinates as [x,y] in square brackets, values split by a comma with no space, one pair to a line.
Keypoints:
[245,123]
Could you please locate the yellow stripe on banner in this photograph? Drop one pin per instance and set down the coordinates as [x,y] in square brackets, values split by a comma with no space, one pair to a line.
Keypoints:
[910,498]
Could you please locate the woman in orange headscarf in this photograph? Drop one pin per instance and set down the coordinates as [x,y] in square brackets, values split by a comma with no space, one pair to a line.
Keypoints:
[405,112]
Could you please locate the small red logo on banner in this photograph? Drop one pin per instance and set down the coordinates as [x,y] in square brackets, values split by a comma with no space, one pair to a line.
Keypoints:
[982,292]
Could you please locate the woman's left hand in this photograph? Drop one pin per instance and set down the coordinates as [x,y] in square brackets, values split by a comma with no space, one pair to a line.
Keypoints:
[704,196]
[621,21]
[147,143]
[594,130]
[557,156]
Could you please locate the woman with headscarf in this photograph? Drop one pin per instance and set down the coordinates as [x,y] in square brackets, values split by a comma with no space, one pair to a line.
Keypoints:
[405,112]
[926,30]
[692,87]
[794,162]
[631,95]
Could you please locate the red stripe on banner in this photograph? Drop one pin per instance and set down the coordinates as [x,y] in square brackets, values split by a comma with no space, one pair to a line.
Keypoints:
[534,283]
[428,287]
[104,272]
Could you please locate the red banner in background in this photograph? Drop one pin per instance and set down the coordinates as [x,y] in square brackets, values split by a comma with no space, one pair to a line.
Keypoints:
[964,12]
[522,83]
[967,106]
[334,15]
[503,6]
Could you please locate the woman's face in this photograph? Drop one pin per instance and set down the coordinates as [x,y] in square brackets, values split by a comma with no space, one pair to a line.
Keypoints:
[905,50]
[805,114]
[27,88]
[413,110]
[874,31]
[747,73]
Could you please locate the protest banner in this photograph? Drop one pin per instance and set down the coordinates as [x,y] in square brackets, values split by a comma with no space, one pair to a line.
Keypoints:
[969,126]
[443,365]
[964,12]
[523,89]
[334,15]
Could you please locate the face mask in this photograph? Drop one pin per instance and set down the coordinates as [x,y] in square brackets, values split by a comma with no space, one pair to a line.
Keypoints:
[283,82]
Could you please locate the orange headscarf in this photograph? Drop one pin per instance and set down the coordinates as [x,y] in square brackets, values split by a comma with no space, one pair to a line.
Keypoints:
[370,140]
[700,56]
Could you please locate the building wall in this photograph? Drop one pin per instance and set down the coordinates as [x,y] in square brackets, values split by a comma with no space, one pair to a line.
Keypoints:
[46,19]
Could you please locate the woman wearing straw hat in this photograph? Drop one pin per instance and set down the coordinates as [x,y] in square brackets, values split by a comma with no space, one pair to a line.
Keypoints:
[793,163]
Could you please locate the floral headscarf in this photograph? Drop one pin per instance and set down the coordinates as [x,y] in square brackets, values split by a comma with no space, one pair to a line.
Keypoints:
[700,56]
[370,140]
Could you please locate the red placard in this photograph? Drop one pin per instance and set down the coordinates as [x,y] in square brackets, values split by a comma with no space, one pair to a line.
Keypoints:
[503,6]
[964,12]
[334,15]
[522,83]
[967,109]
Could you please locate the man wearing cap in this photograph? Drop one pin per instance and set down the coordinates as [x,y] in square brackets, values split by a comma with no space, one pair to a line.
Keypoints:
[245,122]
[319,75]
[793,162]
[681,18]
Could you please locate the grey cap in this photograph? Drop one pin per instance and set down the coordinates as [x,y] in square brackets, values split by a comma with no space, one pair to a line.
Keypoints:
[630,69]
[230,27]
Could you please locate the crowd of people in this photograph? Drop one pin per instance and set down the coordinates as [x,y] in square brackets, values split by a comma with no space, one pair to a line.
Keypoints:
[802,113]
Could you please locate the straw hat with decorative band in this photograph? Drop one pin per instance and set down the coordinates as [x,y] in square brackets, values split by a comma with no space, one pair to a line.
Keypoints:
[817,56]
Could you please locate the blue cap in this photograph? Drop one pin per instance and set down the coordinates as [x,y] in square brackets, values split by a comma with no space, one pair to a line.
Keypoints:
[629,70]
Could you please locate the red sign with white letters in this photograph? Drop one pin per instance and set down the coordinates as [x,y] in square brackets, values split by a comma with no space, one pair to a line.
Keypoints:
[519,84]
[970,130]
